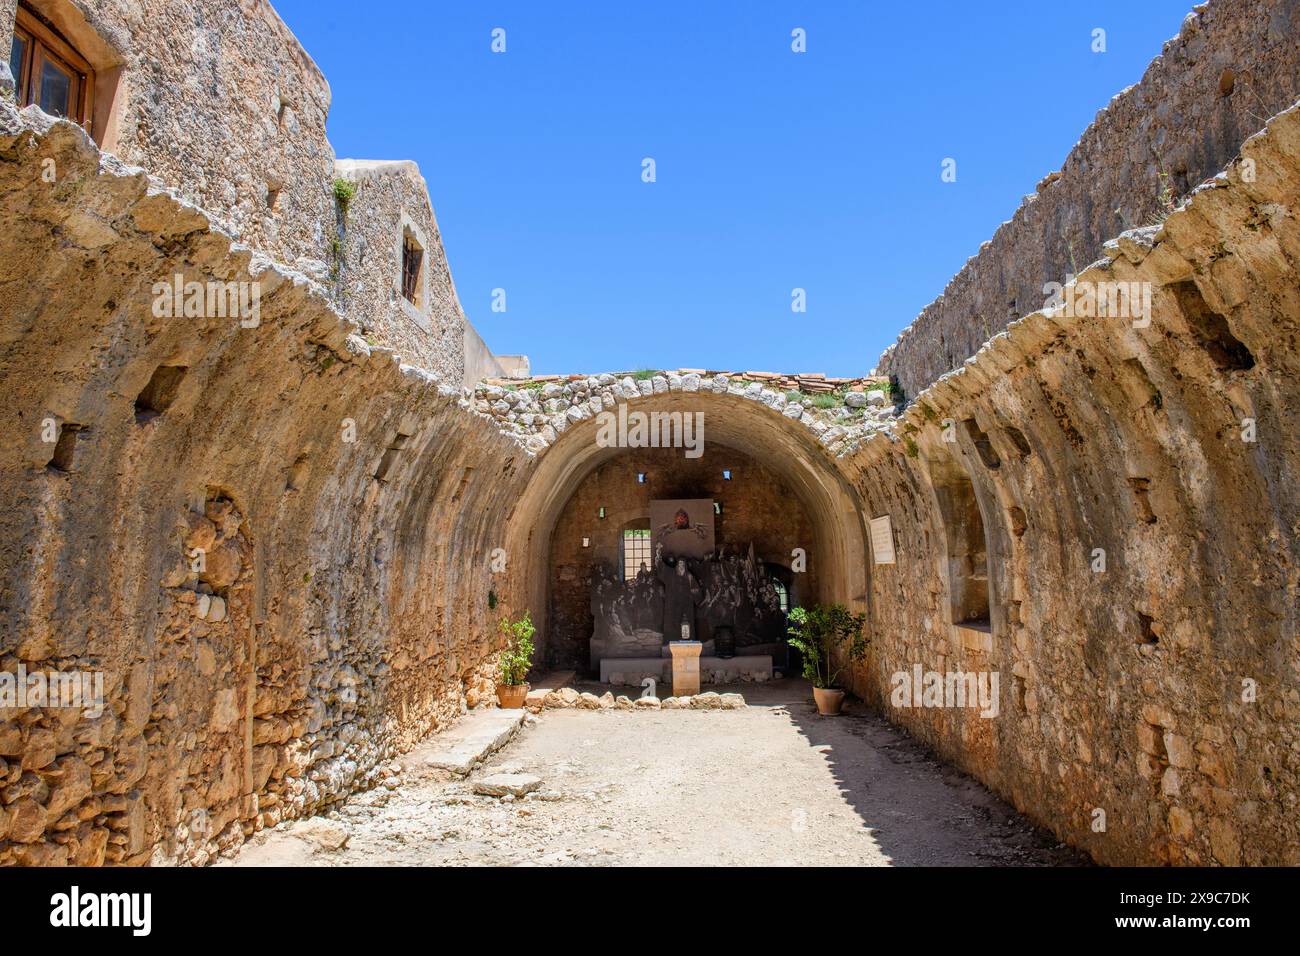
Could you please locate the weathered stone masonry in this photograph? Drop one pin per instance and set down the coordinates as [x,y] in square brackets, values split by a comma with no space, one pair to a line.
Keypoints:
[1147,711]
[353,597]
[1124,691]
[1233,65]
[221,102]
[345,504]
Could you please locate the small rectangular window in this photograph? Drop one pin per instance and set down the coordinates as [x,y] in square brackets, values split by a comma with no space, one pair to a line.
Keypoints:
[48,71]
[412,256]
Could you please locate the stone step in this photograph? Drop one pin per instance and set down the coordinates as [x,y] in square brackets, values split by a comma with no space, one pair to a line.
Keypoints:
[630,671]
[461,747]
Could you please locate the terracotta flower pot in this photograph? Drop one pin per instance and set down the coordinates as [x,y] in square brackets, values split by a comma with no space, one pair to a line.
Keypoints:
[829,700]
[512,695]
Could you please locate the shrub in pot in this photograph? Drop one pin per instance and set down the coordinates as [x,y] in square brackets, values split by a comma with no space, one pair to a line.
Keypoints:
[515,660]
[829,639]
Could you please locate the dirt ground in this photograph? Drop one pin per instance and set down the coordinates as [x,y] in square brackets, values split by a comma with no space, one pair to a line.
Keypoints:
[772,784]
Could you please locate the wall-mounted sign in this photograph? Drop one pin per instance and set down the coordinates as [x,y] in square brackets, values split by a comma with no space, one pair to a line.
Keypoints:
[882,540]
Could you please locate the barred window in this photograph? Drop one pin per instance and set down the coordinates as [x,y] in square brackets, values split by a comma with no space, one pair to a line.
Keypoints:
[412,256]
[636,551]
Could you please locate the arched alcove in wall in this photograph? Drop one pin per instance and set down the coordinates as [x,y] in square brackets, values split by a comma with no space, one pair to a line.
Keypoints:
[737,433]
[966,548]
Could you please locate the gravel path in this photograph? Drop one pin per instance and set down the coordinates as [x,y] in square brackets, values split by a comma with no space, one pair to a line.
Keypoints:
[772,784]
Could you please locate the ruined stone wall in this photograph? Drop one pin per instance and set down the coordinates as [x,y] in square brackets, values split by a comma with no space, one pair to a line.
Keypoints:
[1233,65]
[757,508]
[220,101]
[1162,691]
[341,507]
[391,200]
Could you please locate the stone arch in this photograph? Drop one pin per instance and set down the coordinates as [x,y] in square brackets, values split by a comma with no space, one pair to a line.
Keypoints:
[790,449]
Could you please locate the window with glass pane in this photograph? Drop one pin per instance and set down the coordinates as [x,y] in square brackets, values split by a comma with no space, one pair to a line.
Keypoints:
[636,551]
[17,64]
[783,594]
[48,71]
[56,88]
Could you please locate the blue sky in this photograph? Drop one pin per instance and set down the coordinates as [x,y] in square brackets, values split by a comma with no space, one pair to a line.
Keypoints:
[775,170]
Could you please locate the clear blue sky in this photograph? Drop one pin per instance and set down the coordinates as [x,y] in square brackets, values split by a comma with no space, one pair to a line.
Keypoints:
[775,170]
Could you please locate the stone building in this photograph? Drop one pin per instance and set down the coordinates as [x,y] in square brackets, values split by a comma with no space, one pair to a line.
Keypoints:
[258,486]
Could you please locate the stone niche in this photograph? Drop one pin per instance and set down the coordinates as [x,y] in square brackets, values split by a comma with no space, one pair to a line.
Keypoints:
[604,606]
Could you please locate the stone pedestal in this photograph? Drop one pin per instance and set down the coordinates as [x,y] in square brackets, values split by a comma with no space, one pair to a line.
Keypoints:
[686,667]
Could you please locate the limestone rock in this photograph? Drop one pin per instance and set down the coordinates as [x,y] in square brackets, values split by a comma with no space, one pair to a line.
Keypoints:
[70,783]
[27,820]
[511,784]
[708,700]
[564,697]
[324,834]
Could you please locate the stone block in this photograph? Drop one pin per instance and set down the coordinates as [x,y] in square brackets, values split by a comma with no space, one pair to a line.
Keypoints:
[686,666]
[511,784]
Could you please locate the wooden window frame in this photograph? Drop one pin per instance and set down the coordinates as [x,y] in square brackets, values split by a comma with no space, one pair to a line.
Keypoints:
[43,42]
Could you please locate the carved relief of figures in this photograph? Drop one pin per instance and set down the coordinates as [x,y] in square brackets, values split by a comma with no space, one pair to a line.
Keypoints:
[681,595]
[635,618]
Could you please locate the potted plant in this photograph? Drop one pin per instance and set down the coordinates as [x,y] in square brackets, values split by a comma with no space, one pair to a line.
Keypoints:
[825,635]
[515,660]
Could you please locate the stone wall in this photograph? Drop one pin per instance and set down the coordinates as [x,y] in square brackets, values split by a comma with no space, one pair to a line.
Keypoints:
[220,101]
[757,508]
[1234,64]
[479,361]
[262,538]
[538,412]
[391,201]
[272,540]
[1136,487]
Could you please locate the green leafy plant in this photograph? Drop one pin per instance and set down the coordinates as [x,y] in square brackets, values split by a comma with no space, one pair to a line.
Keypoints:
[344,190]
[343,193]
[644,374]
[829,638]
[518,654]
